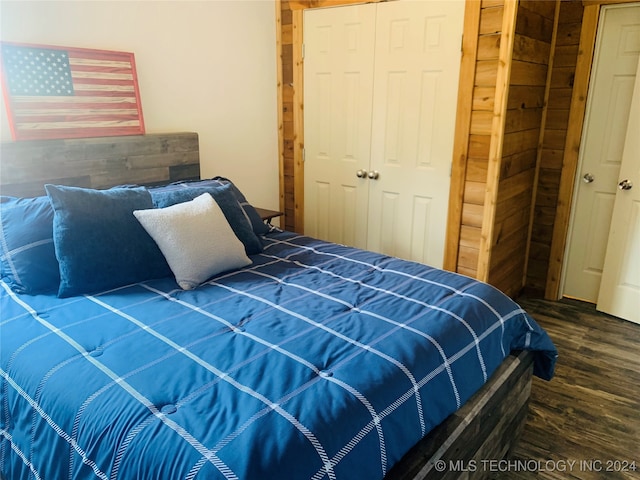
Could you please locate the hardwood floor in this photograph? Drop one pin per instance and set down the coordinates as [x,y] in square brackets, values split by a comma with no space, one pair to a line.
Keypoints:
[585,422]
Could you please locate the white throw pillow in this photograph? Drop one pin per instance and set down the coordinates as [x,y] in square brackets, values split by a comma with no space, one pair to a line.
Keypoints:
[195,238]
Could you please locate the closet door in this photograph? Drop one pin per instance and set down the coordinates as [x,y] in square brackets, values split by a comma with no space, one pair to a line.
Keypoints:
[417,64]
[601,151]
[381,83]
[338,85]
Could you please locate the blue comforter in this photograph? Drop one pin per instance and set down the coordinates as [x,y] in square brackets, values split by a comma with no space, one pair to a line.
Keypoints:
[316,361]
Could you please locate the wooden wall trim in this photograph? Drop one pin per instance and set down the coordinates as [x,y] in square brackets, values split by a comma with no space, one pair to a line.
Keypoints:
[588,3]
[462,130]
[497,137]
[572,149]
[298,119]
[304,4]
[543,124]
[280,102]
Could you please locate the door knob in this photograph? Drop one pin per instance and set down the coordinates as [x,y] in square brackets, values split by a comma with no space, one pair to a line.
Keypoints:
[625,185]
[361,174]
[588,178]
[374,175]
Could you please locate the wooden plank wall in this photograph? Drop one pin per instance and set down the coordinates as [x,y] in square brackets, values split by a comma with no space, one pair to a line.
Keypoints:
[287,128]
[552,149]
[533,38]
[483,103]
[506,215]
[98,162]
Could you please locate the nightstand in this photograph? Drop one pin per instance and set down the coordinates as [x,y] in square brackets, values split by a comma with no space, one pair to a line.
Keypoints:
[268,215]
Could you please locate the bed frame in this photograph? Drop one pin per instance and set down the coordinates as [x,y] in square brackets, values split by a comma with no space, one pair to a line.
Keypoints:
[485,428]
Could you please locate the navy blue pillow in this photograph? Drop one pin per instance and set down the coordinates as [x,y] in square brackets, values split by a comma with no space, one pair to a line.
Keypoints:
[98,241]
[28,260]
[226,200]
[259,227]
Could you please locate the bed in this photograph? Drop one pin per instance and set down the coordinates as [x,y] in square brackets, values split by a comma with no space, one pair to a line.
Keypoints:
[297,358]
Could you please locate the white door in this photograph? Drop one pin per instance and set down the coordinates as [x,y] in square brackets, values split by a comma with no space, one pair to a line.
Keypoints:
[608,107]
[620,288]
[415,96]
[338,86]
[412,60]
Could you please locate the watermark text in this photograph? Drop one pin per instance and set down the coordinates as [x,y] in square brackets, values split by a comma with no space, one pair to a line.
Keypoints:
[495,466]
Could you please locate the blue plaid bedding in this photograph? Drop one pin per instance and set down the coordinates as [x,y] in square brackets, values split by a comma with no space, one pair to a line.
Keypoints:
[318,361]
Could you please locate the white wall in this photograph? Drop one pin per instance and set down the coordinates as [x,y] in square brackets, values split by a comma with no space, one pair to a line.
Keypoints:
[203,66]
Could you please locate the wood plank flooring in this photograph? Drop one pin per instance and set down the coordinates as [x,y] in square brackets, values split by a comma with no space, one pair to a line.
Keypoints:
[584,423]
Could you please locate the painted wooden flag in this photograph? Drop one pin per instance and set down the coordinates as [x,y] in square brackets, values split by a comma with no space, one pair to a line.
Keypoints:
[59,92]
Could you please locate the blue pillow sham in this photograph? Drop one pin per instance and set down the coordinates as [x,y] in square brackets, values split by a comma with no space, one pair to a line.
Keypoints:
[259,227]
[28,261]
[98,242]
[223,195]
[29,253]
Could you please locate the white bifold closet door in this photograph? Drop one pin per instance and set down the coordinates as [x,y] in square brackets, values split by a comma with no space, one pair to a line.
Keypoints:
[381,84]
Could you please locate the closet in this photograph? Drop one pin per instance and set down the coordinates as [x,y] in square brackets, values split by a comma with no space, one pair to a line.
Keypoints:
[605,205]
[380,93]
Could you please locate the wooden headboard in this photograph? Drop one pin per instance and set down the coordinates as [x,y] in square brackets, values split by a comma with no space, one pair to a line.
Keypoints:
[25,167]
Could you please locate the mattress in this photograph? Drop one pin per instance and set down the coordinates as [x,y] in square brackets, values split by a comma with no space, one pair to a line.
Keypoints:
[316,361]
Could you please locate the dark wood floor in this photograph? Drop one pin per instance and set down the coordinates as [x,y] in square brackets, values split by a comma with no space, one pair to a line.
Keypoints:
[585,423]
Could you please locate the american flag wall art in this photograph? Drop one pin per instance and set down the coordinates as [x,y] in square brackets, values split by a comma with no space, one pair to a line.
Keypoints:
[61,92]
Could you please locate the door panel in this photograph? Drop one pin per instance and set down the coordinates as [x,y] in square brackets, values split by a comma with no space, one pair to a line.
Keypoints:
[387,213]
[596,246]
[338,84]
[322,213]
[420,244]
[613,78]
[415,91]
[620,289]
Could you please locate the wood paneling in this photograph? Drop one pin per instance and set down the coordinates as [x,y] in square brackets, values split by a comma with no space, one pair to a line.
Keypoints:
[553,144]
[287,131]
[472,216]
[483,98]
[98,162]
[518,162]
[297,136]
[462,146]
[302,4]
[530,50]
[476,105]
[488,47]
[494,157]
[513,47]
[529,96]
[515,180]
[282,34]
[491,19]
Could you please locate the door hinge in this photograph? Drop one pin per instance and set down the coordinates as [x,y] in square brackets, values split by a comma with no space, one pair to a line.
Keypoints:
[303,51]
[304,155]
